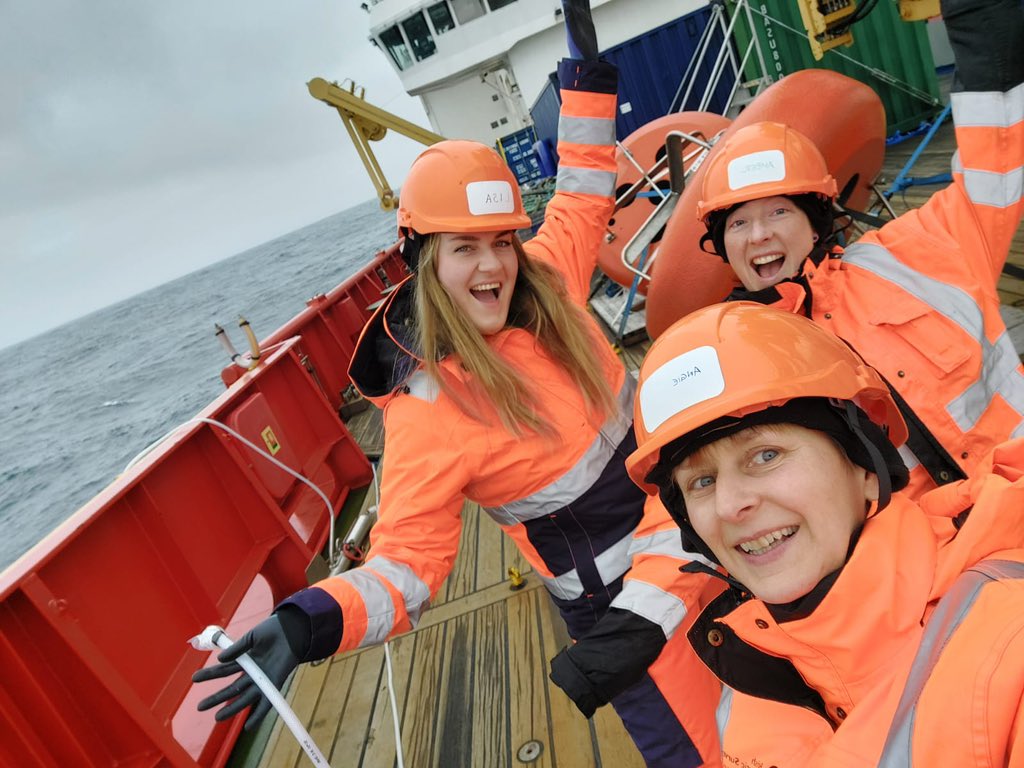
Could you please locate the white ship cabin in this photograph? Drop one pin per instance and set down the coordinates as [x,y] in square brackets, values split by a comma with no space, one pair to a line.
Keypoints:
[479,65]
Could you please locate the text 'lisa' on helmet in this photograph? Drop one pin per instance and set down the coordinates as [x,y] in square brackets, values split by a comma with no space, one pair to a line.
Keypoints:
[762,160]
[460,186]
[738,358]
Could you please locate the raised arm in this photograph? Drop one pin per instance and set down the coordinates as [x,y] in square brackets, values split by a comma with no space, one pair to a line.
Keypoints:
[577,216]
[981,210]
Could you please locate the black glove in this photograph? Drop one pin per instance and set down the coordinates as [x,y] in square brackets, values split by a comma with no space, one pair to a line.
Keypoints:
[607,660]
[579,30]
[268,646]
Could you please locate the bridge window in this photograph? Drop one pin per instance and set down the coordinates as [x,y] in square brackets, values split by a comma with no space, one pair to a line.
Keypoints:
[496,4]
[467,10]
[395,45]
[420,39]
[441,18]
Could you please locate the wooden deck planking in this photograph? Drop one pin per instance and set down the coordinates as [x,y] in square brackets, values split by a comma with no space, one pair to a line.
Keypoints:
[472,689]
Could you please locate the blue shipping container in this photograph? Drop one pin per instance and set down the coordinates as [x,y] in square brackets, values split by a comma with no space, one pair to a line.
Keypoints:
[517,149]
[651,67]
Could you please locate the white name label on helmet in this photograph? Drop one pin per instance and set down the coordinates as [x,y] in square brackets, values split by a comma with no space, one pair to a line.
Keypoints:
[757,168]
[680,383]
[490,197]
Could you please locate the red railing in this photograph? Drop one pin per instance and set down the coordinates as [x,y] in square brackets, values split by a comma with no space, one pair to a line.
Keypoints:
[94,620]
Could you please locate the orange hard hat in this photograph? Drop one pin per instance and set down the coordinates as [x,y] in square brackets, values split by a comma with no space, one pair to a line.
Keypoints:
[460,186]
[762,160]
[739,358]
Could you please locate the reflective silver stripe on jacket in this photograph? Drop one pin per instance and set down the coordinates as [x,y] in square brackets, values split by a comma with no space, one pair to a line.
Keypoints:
[593,131]
[611,564]
[653,603]
[666,543]
[1000,365]
[598,131]
[723,711]
[988,109]
[949,614]
[585,181]
[581,476]
[999,190]
[380,611]
[908,456]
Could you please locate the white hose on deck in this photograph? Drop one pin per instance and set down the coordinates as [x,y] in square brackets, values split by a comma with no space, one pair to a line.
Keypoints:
[212,638]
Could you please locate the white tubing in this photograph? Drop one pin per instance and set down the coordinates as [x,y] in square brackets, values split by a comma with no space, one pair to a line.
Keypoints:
[214,637]
[399,759]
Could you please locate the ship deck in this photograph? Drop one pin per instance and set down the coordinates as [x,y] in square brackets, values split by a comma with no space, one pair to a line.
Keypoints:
[471,681]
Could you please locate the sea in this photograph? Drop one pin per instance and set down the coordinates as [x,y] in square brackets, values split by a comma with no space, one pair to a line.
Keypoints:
[79,402]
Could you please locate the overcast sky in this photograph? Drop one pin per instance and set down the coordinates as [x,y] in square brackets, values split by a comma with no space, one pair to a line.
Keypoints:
[142,140]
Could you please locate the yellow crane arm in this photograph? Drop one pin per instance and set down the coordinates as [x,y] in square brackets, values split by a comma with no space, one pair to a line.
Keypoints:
[365,123]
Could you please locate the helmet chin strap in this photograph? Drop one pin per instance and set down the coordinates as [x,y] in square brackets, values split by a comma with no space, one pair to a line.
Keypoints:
[881,468]
[411,248]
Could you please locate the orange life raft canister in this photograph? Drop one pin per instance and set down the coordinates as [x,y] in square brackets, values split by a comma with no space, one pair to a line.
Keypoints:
[645,146]
[846,121]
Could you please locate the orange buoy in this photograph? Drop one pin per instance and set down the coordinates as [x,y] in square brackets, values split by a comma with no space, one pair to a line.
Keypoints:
[842,116]
[645,147]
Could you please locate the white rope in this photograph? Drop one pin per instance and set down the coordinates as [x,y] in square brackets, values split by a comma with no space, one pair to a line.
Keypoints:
[399,759]
[212,638]
[303,738]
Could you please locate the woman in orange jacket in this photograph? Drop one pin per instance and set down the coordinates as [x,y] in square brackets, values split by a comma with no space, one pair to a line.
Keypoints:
[860,627]
[917,298]
[497,387]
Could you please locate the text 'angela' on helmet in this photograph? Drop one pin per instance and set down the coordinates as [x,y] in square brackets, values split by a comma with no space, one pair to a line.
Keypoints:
[738,358]
[460,186]
[762,160]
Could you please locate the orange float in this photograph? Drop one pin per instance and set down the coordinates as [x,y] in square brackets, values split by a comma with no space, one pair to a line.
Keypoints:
[842,116]
[646,146]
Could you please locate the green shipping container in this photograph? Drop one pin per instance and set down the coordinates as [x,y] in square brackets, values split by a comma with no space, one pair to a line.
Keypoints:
[892,56]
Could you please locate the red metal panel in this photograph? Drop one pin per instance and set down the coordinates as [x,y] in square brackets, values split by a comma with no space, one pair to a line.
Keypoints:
[94,621]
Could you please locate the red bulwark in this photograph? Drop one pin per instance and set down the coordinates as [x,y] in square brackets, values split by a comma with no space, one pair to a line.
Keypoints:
[95,620]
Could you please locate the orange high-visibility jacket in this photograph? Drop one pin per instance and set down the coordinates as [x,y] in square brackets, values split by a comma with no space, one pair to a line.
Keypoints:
[915,656]
[564,499]
[917,298]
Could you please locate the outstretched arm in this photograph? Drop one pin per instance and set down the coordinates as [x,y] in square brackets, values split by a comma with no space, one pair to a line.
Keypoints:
[981,210]
[577,216]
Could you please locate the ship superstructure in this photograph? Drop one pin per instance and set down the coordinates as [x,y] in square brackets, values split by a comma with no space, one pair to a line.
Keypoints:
[479,65]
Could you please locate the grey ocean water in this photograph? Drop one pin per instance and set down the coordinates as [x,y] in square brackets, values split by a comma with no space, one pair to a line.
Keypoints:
[79,402]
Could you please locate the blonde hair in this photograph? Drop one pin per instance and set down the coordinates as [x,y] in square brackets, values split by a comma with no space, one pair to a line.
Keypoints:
[541,306]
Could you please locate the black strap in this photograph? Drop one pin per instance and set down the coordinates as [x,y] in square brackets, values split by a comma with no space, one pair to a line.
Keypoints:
[864,218]
[928,450]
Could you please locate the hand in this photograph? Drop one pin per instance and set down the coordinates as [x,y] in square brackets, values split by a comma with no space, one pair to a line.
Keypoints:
[268,646]
[579,30]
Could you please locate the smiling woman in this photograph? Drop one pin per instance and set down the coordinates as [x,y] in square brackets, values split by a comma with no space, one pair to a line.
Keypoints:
[834,641]
[777,504]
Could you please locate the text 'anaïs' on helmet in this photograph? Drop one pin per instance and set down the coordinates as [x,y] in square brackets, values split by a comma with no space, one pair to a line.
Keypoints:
[762,160]
[738,358]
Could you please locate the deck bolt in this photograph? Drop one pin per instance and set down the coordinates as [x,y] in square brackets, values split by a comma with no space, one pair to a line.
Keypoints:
[529,751]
